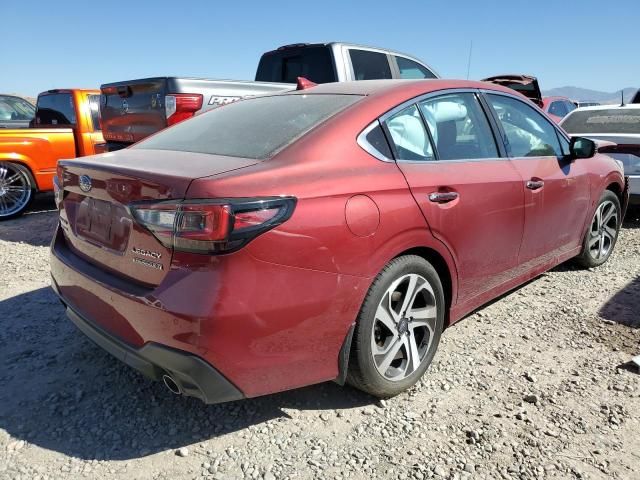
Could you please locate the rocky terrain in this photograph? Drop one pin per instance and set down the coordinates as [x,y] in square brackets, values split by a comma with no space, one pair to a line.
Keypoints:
[535,385]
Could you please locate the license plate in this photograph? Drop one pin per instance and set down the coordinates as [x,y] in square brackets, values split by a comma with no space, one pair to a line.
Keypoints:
[94,220]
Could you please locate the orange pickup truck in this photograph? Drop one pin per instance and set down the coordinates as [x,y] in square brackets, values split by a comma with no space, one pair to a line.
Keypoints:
[66,125]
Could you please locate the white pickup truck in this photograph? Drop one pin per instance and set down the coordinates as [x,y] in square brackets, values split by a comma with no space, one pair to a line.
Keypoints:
[132,110]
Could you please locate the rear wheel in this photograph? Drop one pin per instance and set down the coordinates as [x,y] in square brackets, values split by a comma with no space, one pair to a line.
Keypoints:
[398,329]
[602,234]
[17,189]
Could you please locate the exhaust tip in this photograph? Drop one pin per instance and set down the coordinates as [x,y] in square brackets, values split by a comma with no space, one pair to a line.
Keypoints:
[171,384]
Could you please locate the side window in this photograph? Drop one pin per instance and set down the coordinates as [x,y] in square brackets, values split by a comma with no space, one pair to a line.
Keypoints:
[528,133]
[410,69]
[570,106]
[369,65]
[409,136]
[94,106]
[374,141]
[564,145]
[459,127]
[558,108]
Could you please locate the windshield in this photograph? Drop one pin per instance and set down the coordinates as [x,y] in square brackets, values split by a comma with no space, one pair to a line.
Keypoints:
[613,120]
[252,128]
[14,108]
[312,63]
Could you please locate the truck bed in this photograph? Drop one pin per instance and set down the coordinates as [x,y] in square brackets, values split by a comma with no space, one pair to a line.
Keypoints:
[134,109]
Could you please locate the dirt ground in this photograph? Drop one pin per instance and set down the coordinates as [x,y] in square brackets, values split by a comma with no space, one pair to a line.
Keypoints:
[535,385]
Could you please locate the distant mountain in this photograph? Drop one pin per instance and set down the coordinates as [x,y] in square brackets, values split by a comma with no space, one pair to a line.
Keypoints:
[586,95]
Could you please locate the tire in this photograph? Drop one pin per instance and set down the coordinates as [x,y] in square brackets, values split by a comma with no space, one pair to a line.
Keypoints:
[602,234]
[17,189]
[381,328]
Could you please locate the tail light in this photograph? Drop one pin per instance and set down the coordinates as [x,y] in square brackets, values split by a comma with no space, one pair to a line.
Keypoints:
[212,226]
[181,106]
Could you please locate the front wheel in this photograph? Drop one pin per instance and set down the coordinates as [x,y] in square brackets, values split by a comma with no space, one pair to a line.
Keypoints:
[17,189]
[398,329]
[602,234]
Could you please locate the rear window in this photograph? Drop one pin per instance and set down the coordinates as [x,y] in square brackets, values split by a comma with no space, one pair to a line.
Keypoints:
[615,120]
[251,128]
[312,63]
[56,109]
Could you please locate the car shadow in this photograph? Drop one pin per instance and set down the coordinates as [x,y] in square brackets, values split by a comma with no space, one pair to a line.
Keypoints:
[35,226]
[624,306]
[63,393]
[632,217]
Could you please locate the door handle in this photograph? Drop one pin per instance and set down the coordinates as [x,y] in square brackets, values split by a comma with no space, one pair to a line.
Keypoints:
[443,197]
[535,184]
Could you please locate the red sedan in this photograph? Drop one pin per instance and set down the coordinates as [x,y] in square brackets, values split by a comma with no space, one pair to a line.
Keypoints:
[330,233]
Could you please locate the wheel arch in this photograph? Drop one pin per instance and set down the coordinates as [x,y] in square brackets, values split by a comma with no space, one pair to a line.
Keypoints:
[442,269]
[445,267]
[24,161]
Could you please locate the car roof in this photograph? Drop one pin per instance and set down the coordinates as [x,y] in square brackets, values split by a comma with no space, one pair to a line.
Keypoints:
[633,106]
[412,87]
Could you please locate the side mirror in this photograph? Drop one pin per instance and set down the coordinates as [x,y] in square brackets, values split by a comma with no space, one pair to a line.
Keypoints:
[582,147]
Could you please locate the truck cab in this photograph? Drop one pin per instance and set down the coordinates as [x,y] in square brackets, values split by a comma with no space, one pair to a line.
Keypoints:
[131,110]
[66,125]
[338,62]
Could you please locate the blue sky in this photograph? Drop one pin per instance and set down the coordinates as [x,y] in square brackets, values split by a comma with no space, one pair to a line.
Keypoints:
[588,43]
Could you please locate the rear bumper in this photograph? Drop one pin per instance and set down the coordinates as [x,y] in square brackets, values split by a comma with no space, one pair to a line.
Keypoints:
[254,323]
[195,377]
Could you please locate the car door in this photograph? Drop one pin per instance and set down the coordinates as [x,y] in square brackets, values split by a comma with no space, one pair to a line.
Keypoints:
[557,193]
[469,195]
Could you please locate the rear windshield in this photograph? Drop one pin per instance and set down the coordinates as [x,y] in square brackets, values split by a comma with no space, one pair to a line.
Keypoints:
[252,128]
[312,63]
[615,120]
[56,109]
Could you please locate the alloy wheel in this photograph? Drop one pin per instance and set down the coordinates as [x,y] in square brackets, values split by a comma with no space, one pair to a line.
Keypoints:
[404,327]
[15,189]
[603,230]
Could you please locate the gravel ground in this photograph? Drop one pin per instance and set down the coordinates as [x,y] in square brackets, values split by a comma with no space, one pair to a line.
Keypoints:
[535,385]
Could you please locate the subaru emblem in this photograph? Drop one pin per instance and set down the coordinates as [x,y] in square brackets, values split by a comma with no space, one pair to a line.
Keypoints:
[85,183]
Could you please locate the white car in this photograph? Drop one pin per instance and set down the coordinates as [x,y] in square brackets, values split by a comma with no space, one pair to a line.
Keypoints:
[615,123]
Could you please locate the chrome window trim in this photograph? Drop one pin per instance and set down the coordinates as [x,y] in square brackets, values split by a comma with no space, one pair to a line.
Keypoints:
[424,96]
[458,160]
[367,147]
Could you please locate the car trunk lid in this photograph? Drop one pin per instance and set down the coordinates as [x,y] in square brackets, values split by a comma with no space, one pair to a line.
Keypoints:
[97,192]
[524,84]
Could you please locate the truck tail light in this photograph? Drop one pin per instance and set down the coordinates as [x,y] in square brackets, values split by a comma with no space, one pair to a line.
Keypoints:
[181,106]
[212,226]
